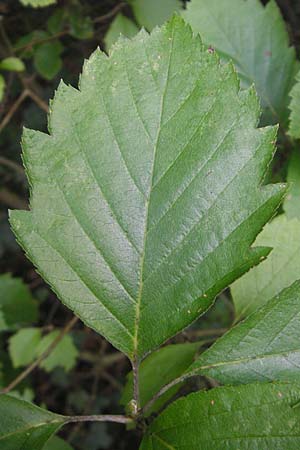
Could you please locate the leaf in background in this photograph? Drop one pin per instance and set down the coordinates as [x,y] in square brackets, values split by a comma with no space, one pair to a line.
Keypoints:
[139,243]
[254,416]
[294,129]
[265,346]
[81,26]
[121,25]
[255,38]
[47,59]
[28,344]
[159,369]
[37,3]
[56,21]
[154,13]
[2,86]
[23,345]
[12,63]
[17,306]
[291,204]
[24,426]
[63,355]
[279,270]
[56,443]
[27,44]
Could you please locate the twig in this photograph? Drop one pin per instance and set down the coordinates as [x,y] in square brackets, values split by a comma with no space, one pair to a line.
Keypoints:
[136,387]
[110,14]
[13,109]
[208,332]
[65,32]
[12,200]
[41,358]
[38,100]
[169,386]
[12,165]
[100,418]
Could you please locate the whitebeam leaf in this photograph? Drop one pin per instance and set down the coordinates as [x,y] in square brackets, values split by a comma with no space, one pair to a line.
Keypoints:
[266,346]
[277,272]
[255,38]
[294,129]
[146,196]
[259,416]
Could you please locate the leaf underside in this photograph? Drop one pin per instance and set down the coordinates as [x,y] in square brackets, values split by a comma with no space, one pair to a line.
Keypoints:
[277,272]
[255,416]
[255,38]
[265,347]
[146,195]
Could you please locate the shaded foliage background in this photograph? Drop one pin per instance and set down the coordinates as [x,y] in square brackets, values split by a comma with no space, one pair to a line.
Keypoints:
[53,43]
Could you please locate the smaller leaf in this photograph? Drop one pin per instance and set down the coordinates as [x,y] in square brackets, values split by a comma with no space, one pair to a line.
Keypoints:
[2,86]
[154,13]
[266,346]
[23,345]
[24,426]
[56,443]
[13,64]
[56,22]
[37,3]
[253,416]
[28,344]
[294,129]
[279,270]
[121,25]
[27,44]
[17,306]
[47,59]
[159,369]
[291,203]
[64,354]
[81,26]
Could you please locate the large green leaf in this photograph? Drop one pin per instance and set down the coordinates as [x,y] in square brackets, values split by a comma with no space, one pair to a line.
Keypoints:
[291,204]
[255,416]
[17,307]
[24,426]
[255,38]
[147,194]
[56,443]
[266,346]
[295,110]
[279,270]
[159,369]
[149,14]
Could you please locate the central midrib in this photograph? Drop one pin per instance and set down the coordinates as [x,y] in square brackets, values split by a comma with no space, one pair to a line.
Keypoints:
[142,259]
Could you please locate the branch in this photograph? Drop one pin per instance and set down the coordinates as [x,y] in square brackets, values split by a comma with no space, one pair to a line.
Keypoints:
[12,165]
[38,100]
[41,358]
[100,418]
[13,109]
[168,386]
[136,387]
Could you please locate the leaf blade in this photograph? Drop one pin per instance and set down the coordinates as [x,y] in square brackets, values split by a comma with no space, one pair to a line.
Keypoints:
[255,38]
[278,271]
[294,128]
[24,426]
[229,417]
[263,347]
[153,203]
